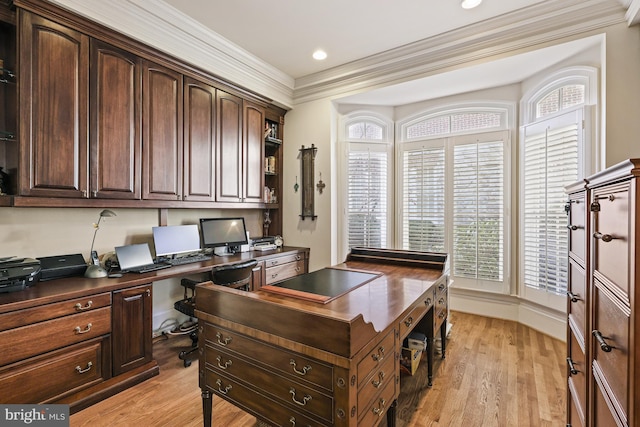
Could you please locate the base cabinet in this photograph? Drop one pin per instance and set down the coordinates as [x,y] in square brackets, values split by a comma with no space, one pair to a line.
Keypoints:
[603,367]
[132,328]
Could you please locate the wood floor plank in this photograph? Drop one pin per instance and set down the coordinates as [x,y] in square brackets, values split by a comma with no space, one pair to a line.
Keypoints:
[497,373]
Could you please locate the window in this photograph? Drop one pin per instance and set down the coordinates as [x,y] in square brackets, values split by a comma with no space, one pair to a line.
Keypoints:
[368,213]
[555,152]
[454,196]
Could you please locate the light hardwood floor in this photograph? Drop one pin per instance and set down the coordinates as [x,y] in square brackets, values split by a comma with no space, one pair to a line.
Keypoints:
[496,373]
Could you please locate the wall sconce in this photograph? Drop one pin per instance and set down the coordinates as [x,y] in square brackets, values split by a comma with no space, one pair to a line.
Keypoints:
[95,270]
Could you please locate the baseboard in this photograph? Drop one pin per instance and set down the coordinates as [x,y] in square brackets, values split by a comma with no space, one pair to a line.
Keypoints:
[542,319]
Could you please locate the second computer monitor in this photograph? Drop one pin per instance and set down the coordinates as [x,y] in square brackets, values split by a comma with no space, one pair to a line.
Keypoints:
[223,234]
[176,239]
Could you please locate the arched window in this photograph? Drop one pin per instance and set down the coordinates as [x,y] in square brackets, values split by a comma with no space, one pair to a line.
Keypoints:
[453,171]
[556,146]
[369,177]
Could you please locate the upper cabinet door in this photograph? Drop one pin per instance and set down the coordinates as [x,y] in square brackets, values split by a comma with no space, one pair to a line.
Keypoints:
[199,141]
[53,82]
[162,133]
[253,153]
[229,148]
[115,126]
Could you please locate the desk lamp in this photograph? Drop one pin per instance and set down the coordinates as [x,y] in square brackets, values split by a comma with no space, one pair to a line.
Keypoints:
[95,270]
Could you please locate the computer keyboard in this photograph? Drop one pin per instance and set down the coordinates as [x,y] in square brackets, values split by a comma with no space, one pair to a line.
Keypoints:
[148,268]
[188,259]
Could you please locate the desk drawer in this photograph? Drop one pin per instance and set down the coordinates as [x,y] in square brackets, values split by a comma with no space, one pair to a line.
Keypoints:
[286,390]
[38,338]
[285,259]
[283,271]
[296,366]
[577,226]
[375,383]
[411,320]
[577,381]
[253,401]
[373,414]
[375,358]
[19,318]
[55,374]
[440,308]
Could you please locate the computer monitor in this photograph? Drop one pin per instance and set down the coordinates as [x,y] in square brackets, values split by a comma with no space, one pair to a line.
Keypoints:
[176,239]
[223,234]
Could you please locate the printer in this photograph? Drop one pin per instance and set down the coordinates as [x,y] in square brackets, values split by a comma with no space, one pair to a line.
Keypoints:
[17,274]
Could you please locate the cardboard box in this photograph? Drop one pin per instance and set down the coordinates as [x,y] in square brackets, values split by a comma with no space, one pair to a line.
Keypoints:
[410,359]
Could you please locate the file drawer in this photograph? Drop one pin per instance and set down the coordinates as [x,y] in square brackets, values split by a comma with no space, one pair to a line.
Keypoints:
[283,271]
[577,298]
[61,372]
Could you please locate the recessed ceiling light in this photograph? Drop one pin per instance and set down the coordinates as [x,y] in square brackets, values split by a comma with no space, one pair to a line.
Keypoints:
[319,55]
[470,4]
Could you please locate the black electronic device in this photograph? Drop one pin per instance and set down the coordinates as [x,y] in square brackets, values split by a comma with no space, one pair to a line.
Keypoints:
[55,267]
[224,235]
[17,274]
[264,239]
[171,240]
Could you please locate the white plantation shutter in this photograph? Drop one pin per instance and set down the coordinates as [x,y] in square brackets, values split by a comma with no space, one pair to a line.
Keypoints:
[551,159]
[423,199]
[478,210]
[367,199]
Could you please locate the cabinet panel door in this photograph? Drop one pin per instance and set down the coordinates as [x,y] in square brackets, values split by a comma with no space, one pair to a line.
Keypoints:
[131,332]
[253,153]
[199,140]
[162,133]
[115,123]
[53,81]
[229,148]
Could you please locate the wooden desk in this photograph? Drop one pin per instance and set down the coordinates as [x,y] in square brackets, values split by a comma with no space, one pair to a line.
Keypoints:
[292,361]
[77,341]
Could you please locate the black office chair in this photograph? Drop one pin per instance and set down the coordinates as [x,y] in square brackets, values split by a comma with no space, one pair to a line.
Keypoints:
[237,276]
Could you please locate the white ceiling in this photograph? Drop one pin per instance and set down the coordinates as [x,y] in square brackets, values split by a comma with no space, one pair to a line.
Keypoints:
[285,33]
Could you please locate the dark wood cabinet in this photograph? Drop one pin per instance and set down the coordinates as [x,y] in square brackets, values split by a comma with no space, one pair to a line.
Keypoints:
[115,126]
[229,148]
[199,141]
[53,79]
[132,334]
[253,153]
[162,133]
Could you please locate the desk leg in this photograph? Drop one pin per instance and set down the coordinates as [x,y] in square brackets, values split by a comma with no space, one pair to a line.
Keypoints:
[430,346]
[443,336]
[391,414]
[207,403]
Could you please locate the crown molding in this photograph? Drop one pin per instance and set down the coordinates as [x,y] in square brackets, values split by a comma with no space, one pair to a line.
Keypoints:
[161,26]
[528,28]
[633,12]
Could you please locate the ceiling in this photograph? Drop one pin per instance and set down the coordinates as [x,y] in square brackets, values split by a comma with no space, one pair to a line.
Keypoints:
[285,36]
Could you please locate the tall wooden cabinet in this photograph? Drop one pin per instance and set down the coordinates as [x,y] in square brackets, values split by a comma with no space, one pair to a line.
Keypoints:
[611,351]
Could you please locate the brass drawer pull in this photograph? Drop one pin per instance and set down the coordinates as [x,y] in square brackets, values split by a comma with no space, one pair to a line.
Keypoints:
[604,237]
[297,269]
[573,297]
[298,258]
[87,369]
[226,364]
[226,389]
[226,340]
[441,315]
[441,301]
[441,287]
[378,383]
[572,367]
[603,344]
[380,410]
[304,369]
[274,262]
[274,275]
[408,322]
[80,307]
[427,302]
[305,398]
[572,227]
[379,355]
[78,330]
